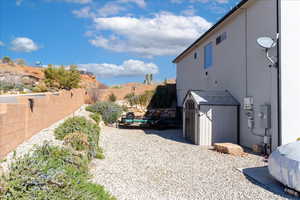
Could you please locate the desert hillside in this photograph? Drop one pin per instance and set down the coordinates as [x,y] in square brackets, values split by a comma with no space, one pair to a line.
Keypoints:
[120,91]
[20,74]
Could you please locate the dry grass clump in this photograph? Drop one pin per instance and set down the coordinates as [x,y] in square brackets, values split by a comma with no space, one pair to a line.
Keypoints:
[77,140]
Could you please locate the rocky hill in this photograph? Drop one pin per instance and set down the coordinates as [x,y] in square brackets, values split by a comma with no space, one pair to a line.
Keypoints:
[18,74]
[120,91]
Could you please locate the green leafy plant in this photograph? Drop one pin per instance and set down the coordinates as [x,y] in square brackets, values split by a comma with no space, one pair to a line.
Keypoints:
[51,172]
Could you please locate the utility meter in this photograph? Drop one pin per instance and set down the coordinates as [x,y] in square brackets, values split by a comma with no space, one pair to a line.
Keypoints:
[265,116]
[248,103]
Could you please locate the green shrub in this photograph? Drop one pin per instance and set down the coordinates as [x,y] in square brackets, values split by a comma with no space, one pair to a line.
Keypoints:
[99,153]
[90,109]
[77,140]
[96,117]
[80,124]
[61,78]
[41,87]
[109,111]
[112,97]
[51,172]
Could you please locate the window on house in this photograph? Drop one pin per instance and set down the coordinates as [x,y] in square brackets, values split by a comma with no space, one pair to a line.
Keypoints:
[221,38]
[195,55]
[208,55]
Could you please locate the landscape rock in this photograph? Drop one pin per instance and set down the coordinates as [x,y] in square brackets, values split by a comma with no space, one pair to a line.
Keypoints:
[229,148]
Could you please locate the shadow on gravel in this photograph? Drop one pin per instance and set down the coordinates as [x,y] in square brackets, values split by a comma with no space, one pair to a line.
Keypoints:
[169,134]
[260,176]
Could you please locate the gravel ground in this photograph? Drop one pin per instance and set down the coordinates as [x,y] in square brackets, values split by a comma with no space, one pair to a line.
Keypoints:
[160,165]
[38,139]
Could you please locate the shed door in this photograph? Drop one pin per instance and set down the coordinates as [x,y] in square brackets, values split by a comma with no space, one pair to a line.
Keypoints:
[190,123]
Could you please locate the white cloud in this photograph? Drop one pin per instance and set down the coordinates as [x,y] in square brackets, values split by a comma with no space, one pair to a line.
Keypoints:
[176,1]
[75,1]
[128,68]
[201,1]
[2,44]
[109,9]
[19,2]
[23,44]
[210,1]
[140,3]
[164,34]
[84,12]
[190,11]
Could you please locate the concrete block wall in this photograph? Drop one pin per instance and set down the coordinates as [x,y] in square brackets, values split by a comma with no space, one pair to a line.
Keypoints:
[19,122]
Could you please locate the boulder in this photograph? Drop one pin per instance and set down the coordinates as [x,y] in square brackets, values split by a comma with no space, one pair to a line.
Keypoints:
[229,148]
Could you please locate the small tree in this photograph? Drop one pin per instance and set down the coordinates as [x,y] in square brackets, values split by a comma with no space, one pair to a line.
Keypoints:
[112,97]
[61,78]
[20,61]
[7,60]
[71,78]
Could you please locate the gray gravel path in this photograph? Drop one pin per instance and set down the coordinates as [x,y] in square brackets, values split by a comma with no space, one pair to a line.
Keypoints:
[160,165]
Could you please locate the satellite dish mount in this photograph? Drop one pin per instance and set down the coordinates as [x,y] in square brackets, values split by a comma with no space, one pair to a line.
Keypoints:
[268,43]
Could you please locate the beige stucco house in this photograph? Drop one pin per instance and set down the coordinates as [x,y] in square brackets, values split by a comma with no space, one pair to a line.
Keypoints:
[228,58]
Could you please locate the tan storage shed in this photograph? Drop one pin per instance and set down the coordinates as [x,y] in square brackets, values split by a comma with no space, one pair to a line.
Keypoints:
[210,117]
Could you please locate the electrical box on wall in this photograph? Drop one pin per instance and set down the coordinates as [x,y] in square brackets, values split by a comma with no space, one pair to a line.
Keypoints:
[265,116]
[248,103]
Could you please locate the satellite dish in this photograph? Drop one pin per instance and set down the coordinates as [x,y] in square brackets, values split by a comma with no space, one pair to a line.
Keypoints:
[266,42]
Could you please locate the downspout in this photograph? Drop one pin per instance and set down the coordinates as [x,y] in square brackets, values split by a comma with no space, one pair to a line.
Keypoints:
[279,73]
[238,125]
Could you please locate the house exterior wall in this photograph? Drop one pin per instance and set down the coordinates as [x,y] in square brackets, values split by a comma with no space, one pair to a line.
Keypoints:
[239,65]
[290,69]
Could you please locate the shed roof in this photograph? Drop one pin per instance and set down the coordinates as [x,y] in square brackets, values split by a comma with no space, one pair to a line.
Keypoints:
[213,98]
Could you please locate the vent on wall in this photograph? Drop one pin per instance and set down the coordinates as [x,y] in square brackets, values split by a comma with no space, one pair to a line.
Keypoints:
[221,38]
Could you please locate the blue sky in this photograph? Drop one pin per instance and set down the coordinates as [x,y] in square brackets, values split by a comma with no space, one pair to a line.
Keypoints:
[118,40]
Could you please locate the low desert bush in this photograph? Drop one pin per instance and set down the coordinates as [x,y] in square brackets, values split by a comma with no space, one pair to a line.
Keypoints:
[51,172]
[109,111]
[80,124]
[77,140]
[96,117]
[99,153]
[41,87]
[112,97]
